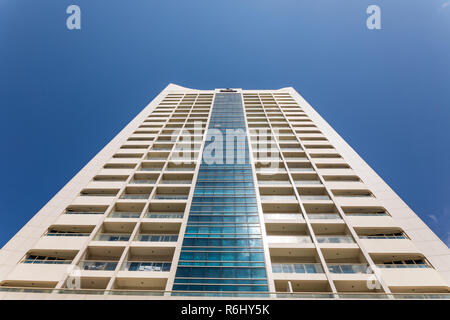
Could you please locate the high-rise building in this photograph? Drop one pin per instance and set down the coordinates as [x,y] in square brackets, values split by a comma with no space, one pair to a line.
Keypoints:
[226,192]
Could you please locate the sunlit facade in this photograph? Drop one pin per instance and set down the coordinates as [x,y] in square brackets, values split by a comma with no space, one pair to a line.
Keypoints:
[226,193]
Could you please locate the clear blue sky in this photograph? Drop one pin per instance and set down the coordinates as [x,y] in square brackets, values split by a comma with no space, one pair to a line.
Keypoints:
[64,94]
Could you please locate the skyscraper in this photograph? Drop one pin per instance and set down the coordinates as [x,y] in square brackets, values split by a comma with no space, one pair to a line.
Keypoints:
[226,193]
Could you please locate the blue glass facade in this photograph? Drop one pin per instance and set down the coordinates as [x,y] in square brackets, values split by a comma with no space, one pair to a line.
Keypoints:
[222,247]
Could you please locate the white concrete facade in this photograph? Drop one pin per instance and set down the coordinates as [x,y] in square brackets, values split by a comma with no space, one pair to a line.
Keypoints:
[327,219]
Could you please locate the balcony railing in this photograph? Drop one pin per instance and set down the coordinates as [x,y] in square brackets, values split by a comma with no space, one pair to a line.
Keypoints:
[354,195]
[129,215]
[297,268]
[135,196]
[147,266]
[286,149]
[278,198]
[176,181]
[262,159]
[402,266]
[335,239]
[314,197]
[289,239]
[68,234]
[157,237]
[349,268]
[303,182]
[46,261]
[98,265]
[276,182]
[186,158]
[112,237]
[143,182]
[150,169]
[295,158]
[301,169]
[324,216]
[84,212]
[373,214]
[161,148]
[164,215]
[276,169]
[383,237]
[92,194]
[170,196]
[283,216]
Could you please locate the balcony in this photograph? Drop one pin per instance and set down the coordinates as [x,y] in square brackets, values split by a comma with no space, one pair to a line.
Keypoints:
[157,155]
[48,266]
[279,198]
[384,236]
[99,193]
[135,196]
[306,182]
[112,237]
[356,198]
[314,197]
[69,237]
[176,167]
[352,194]
[394,245]
[412,278]
[148,168]
[176,181]
[57,233]
[163,210]
[164,215]
[324,216]
[402,266]
[94,198]
[367,214]
[143,181]
[313,194]
[161,148]
[289,239]
[171,197]
[283,216]
[147,266]
[157,237]
[125,215]
[277,194]
[297,268]
[274,182]
[85,211]
[32,259]
[348,268]
[98,265]
[291,149]
[301,169]
[335,239]
[136,193]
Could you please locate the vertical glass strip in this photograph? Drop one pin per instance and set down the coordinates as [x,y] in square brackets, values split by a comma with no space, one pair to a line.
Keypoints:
[222,249]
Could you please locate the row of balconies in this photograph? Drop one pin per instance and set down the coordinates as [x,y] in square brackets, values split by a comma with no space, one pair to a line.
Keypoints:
[299,270]
[293,269]
[258,109]
[136,193]
[276,193]
[136,268]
